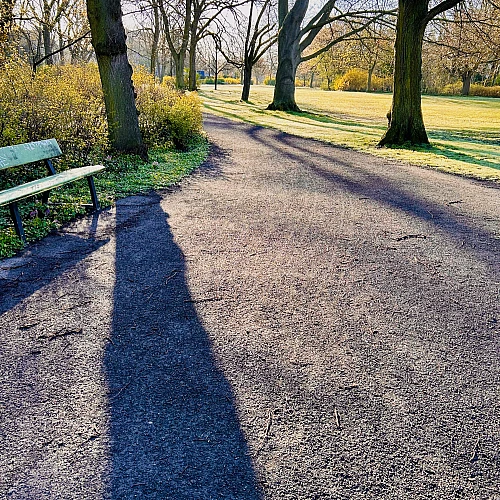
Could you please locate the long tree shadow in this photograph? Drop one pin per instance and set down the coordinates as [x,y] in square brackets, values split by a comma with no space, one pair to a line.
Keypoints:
[365,182]
[174,428]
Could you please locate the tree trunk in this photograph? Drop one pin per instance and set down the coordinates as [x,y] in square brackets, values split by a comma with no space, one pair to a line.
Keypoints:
[108,40]
[156,39]
[288,57]
[311,81]
[371,69]
[193,42]
[406,124]
[47,45]
[466,81]
[247,80]
[179,70]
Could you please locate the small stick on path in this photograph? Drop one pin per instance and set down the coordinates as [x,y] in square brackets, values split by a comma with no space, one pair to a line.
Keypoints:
[266,434]
[337,418]
[475,457]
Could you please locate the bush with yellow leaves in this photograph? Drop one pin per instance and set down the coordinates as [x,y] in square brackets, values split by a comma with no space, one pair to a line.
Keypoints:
[475,90]
[165,113]
[66,102]
[357,80]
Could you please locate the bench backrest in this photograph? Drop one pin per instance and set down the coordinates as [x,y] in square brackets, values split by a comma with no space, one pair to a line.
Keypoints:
[13,156]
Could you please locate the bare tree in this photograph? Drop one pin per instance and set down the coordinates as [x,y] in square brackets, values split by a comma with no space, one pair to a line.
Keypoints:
[406,124]
[295,37]
[109,42]
[257,32]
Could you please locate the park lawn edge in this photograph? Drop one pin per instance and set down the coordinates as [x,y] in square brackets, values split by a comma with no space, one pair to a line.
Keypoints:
[425,157]
[125,175]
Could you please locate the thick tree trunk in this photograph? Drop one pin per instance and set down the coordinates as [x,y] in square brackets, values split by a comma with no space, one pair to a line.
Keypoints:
[466,81]
[247,80]
[108,40]
[406,124]
[179,71]
[288,57]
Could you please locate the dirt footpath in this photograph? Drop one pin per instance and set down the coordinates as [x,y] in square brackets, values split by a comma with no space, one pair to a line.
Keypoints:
[296,321]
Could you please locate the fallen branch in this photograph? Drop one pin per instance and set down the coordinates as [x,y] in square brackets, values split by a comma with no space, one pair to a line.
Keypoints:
[410,236]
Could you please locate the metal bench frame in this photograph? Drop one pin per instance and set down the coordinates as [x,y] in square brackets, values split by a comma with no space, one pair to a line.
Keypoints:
[23,154]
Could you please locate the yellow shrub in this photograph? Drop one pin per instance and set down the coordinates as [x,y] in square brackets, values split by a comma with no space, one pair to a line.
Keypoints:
[185,120]
[354,79]
[232,81]
[475,90]
[64,102]
[165,113]
[452,89]
[482,91]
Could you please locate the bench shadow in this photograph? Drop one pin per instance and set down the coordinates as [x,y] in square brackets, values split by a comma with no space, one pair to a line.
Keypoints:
[174,428]
[38,265]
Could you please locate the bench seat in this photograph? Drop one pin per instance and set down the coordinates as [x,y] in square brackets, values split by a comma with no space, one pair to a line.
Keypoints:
[31,152]
[47,183]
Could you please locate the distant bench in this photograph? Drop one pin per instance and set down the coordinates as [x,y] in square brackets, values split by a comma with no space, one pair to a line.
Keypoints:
[22,154]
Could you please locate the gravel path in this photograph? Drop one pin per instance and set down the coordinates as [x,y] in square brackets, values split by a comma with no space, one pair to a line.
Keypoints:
[296,321]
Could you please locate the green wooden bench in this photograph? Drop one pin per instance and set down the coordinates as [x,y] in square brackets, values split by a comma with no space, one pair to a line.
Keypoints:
[22,154]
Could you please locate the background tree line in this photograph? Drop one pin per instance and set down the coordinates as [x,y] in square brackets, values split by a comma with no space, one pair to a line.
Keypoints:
[416,44]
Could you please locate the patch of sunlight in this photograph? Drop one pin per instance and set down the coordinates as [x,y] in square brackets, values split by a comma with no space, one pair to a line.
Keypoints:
[464,131]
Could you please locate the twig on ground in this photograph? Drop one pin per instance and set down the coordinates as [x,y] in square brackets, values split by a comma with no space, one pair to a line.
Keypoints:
[266,434]
[172,275]
[337,418]
[207,299]
[474,457]
[120,390]
[410,236]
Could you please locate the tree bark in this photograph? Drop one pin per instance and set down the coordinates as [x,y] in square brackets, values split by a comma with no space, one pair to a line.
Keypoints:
[47,45]
[193,42]
[247,80]
[406,124]
[466,81]
[288,58]
[178,53]
[108,40]
[156,39]
[371,69]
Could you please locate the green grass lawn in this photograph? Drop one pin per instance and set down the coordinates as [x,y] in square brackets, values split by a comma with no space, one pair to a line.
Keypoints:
[464,131]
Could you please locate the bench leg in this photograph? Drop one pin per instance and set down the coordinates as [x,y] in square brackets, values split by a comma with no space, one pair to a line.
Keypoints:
[45,197]
[18,224]
[93,193]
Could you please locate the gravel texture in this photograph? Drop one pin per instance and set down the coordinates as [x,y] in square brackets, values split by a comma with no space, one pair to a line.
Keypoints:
[295,321]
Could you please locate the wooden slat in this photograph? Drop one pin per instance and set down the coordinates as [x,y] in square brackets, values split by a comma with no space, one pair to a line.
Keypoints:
[47,183]
[13,156]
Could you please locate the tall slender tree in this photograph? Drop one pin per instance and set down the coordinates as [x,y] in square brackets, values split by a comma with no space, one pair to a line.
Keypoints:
[255,34]
[176,19]
[109,42]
